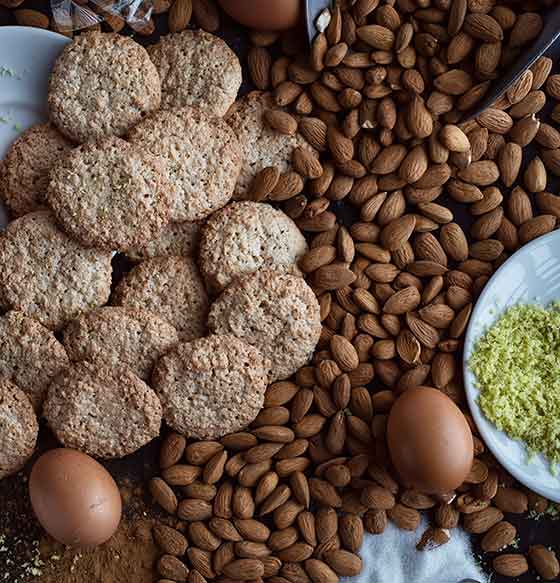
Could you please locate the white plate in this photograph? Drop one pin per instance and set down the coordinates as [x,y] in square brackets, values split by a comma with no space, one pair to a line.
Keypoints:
[26,59]
[532,275]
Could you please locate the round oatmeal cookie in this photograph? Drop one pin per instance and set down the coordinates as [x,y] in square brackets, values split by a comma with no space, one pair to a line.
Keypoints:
[111,195]
[24,172]
[244,237]
[274,311]
[170,287]
[30,355]
[120,336]
[179,239]
[211,386]
[202,158]
[198,69]
[104,411]
[101,85]
[49,276]
[18,428]
[261,146]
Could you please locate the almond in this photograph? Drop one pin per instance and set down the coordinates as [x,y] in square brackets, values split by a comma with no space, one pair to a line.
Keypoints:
[454,139]
[163,495]
[342,149]
[535,175]
[179,15]
[314,131]
[206,15]
[244,569]
[171,567]
[432,539]
[397,232]
[402,301]
[320,572]
[482,521]
[453,82]
[172,450]
[510,565]
[344,353]
[378,37]
[483,27]
[454,241]
[544,561]
[414,165]
[536,227]
[405,518]
[171,541]
[509,162]
[498,537]
[344,563]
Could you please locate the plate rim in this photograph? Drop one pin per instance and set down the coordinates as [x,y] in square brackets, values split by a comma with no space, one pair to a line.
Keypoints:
[32,31]
[521,476]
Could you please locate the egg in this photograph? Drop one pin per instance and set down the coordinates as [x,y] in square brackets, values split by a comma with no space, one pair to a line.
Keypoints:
[264,14]
[74,498]
[430,442]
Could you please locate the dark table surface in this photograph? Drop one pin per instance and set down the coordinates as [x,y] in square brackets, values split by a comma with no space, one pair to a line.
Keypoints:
[141,466]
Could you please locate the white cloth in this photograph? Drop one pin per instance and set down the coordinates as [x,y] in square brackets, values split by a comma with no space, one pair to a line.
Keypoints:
[392,558]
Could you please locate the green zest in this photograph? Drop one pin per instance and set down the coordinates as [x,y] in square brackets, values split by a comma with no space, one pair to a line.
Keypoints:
[517,366]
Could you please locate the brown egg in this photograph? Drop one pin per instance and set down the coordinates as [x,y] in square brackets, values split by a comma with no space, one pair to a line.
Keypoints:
[264,14]
[429,440]
[74,498]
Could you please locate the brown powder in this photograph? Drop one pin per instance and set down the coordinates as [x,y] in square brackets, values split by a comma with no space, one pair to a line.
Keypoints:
[128,556]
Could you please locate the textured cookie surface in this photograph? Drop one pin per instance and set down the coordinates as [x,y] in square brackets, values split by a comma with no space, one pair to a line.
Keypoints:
[244,237]
[198,69]
[170,287]
[49,276]
[179,239]
[260,145]
[101,85]
[30,355]
[18,428]
[202,158]
[111,194]
[120,336]
[276,312]
[211,386]
[24,172]
[104,411]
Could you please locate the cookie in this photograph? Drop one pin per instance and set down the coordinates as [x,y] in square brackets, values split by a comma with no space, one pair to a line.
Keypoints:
[170,287]
[276,312]
[198,69]
[175,239]
[18,428]
[24,172]
[111,195]
[49,276]
[120,336]
[211,386]
[202,158]
[30,355]
[244,237]
[101,85]
[104,411]
[261,146]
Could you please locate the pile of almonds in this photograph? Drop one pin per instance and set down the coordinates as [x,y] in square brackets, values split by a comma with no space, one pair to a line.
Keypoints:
[381,98]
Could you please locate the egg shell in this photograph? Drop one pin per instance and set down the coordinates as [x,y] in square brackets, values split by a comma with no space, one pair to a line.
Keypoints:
[74,498]
[264,14]
[430,442]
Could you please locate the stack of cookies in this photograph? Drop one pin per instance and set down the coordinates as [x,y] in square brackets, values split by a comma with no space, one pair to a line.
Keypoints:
[142,157]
